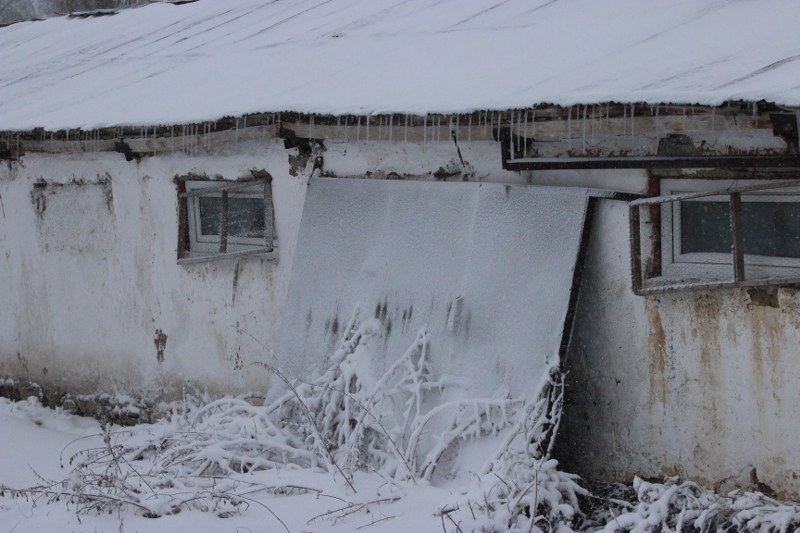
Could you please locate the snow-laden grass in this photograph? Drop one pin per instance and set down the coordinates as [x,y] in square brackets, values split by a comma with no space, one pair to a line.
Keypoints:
[685,506]
[382,441]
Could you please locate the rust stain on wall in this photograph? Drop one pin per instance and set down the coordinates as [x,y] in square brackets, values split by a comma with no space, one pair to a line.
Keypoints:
[160,341]
[656,349]
[766,331]
[705,317]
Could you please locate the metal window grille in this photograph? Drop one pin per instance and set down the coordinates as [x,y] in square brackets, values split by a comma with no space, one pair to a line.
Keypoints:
[735,237]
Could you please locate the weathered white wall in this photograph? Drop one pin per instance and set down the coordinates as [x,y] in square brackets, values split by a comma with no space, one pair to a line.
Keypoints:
[701,384]
[88,283]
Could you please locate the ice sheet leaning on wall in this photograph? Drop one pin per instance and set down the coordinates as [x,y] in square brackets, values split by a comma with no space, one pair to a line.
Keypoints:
[487,268]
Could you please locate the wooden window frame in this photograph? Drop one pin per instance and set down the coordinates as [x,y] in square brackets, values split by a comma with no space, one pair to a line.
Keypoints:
[193,247]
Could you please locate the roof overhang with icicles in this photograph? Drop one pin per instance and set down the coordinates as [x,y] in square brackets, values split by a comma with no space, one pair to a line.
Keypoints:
[176,64]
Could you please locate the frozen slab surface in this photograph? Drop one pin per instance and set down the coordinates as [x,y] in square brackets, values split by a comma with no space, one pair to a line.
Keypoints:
[486,268]
[166,64]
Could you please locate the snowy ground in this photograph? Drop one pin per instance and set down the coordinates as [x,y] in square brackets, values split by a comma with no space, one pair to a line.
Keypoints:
[34,438]
[38,443]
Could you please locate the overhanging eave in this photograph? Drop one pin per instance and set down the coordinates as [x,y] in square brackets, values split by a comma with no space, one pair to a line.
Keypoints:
[652,162]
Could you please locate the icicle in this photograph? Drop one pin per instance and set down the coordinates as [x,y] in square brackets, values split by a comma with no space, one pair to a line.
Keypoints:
[525,126]
[658,125]
[515,141]
[425,130]
[624,119]
[511,128]
[583,135]
[569,128]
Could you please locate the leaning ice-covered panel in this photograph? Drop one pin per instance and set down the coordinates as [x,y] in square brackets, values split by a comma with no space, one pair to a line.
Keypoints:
[486,269]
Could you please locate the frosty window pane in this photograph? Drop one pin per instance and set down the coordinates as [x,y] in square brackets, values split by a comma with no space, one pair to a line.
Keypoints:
[210,212]
[770,228]
[246,217]
[705,227]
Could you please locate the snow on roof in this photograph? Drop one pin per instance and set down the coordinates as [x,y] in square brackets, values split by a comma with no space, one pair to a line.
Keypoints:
[167,64]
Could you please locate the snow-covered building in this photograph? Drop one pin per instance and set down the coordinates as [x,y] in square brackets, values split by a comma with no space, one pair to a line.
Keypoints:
[187,191]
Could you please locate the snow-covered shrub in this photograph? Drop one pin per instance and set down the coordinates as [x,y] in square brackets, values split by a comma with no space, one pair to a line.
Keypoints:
[342,420]
[684,506]
[521,488]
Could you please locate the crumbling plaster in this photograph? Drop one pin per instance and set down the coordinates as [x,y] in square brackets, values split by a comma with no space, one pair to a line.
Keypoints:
[94,298]
[700,384]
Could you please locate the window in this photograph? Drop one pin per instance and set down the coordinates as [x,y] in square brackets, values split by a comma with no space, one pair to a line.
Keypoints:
[713,233]
[223,219]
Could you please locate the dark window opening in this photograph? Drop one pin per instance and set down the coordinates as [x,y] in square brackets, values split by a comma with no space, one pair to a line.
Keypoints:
[770,229]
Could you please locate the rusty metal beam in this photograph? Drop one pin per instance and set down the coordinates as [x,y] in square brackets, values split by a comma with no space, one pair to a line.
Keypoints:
[653,162]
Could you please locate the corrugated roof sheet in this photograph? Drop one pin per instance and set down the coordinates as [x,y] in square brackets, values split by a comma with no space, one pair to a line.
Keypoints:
[165,64]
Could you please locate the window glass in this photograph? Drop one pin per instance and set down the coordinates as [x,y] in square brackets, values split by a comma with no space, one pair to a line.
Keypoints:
[769,228]
[245,216]
[210,213]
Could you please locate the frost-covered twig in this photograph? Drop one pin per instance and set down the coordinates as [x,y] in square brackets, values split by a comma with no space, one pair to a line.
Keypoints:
[677,505]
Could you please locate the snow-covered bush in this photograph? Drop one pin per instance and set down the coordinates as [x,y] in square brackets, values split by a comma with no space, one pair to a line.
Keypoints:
[404,425]
[343,420]
[684,506]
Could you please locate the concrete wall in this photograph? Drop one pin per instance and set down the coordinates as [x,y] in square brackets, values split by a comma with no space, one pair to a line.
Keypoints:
[700,384]
[89,286]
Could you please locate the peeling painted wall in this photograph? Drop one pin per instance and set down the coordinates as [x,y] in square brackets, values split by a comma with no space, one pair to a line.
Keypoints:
[93,300]
[701,384]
